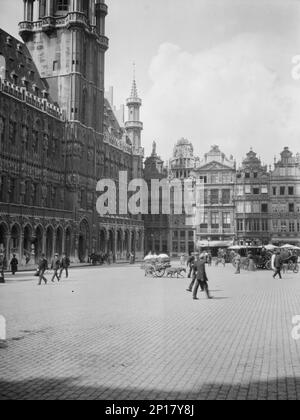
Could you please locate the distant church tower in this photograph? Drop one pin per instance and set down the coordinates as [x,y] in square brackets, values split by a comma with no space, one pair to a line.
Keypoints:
[67,41]
[134,126]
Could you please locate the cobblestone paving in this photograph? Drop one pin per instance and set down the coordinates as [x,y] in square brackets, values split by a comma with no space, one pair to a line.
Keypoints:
[113,334]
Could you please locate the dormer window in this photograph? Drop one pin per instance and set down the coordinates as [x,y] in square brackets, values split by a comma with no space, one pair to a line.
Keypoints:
[25,83]
[14,78]
[35,89]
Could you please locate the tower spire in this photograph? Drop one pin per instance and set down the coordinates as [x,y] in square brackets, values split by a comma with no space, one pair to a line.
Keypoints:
[134,92]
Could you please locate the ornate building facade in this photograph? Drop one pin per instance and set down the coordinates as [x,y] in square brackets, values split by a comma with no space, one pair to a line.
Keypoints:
[56,139]
[217,227]
[252,202]
[285,200]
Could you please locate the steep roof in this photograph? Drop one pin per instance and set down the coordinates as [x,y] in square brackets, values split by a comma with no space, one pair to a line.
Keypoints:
[19,65]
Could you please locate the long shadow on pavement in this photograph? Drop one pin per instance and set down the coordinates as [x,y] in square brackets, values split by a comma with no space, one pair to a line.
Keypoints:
[285,388]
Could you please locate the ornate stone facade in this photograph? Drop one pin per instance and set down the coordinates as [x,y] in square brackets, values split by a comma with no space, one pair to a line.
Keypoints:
[252,196]
[284,210]
[54,143]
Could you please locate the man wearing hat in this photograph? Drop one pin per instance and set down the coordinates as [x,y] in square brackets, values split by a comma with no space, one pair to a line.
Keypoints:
[55,265]
[201,277]
[278,265]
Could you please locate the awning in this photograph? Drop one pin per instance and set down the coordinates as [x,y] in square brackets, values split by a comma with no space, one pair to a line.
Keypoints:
[214,244]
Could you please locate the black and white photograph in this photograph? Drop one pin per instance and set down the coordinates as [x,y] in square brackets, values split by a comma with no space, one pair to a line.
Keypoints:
[150,202]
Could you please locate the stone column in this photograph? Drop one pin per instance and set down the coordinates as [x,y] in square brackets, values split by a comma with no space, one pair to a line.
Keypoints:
[142,244]
[63,245]
[54,244]
[7,251]
[44,242]
[21,245]
[29,15]
[49,8]
[115,245]
[170,243]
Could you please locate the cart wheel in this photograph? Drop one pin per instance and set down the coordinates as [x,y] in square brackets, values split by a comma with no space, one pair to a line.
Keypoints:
[160,273]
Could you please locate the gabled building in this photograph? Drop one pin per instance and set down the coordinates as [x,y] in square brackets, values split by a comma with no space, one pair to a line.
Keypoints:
[285,199]
[252,195]
[217,225]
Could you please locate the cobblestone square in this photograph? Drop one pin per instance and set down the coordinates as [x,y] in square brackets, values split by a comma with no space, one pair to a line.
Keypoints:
[111,333]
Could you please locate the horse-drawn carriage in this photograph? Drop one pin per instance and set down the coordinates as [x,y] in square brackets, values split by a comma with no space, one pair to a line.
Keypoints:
[156,265]
[262,257]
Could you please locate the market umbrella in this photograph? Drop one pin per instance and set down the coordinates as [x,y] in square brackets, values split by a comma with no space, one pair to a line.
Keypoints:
[288,246]
[163,256]
[234,247]
[270,247]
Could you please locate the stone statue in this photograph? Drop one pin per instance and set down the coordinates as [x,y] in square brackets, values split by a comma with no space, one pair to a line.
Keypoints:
[46,142]
[24,135]
[154,148]
[1,128]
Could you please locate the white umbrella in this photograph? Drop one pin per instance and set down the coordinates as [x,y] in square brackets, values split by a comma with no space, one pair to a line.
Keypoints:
[270,247]
[288,246]
[163,256]
[235,247]
[149,257]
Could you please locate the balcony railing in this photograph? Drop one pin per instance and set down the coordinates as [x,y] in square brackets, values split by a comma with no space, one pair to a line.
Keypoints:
[134,124]
[22,210]
[23,95]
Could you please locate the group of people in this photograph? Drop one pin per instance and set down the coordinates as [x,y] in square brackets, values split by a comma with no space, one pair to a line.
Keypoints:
[198,273]
[57,265]
[3,264]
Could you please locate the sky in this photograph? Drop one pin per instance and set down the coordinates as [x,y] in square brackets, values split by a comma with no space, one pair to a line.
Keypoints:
[212,71]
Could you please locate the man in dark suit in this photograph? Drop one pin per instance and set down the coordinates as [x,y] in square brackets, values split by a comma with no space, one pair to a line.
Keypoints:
[278,265]
[201,278]
[43,267]
[190,264]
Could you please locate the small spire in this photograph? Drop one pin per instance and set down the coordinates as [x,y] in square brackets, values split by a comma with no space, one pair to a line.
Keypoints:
[134,92]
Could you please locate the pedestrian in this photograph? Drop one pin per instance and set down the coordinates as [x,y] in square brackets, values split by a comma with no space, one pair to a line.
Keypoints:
[64,266]
[251,266]
[14,265]
[209,259]
[193,274]
[2,266]
[190,263]
[201,278]
[237,261]
[278,265]
[182,260]
[43,266]
[55,265]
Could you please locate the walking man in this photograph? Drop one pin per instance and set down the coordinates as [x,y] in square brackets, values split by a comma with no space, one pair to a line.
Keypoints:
[43,266]
[190,264]
[278,265]
[193,274]
[237,261]
[201,278]
[65,264]
[55,265]
[14,265]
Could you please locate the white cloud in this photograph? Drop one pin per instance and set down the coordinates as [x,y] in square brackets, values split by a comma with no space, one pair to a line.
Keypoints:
[238,94]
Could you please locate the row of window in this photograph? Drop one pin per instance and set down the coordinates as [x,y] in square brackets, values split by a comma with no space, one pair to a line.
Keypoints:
[286,226]
[283,190]
[249,189]
[215,219]
[253,225]
[183,234]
